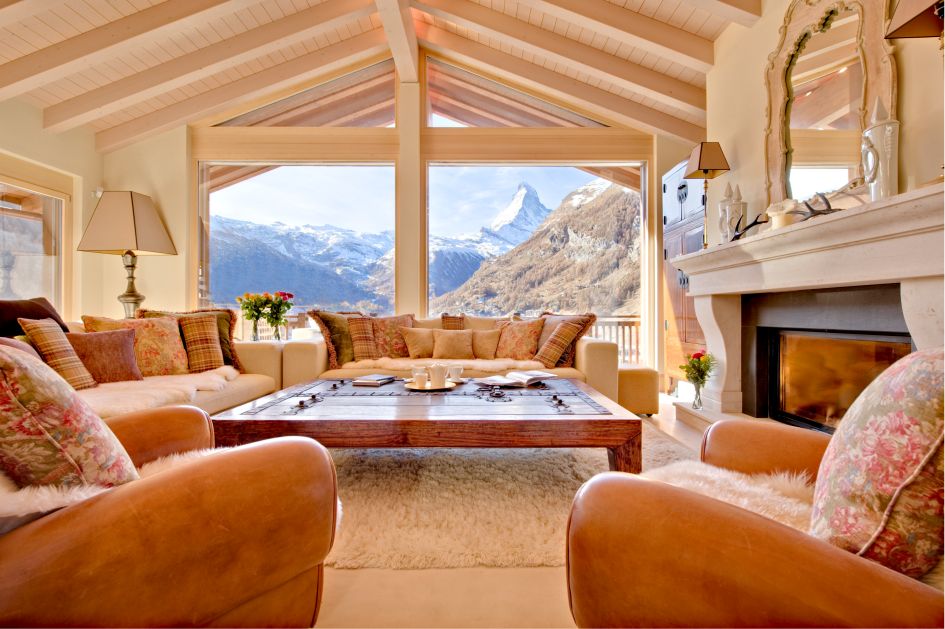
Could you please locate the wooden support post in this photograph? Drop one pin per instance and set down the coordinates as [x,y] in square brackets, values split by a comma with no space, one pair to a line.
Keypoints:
[410,254]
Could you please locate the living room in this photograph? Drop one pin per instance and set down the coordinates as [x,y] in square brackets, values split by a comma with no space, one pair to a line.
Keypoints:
[714,227]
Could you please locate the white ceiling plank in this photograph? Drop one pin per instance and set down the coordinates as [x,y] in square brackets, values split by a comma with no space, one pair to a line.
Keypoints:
[633,29]
[80,52]
[539,79]
[179,71]
[401,37]
[569,52]
[744,12]
[285,75]
[13,11]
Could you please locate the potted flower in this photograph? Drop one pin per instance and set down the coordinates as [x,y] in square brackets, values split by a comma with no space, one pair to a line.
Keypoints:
[698,367]
[279,306]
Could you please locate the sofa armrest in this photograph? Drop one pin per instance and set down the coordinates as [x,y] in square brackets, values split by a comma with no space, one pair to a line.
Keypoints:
[262,357]
[597,360]
[303,361]
[761,447]
[180,548]
[151,434]
[646,554]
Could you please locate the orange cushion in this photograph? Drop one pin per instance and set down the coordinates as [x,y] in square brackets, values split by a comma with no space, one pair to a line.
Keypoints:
[159,349]
[519,339]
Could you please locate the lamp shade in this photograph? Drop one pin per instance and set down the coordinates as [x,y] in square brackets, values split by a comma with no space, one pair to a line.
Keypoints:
[915,18]
[126,221]
[706,161]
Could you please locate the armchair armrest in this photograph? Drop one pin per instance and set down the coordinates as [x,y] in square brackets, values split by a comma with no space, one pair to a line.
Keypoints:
[183,547]
[303,361]
[597,360]
[645,554]
[757,447]
[151,434]
[262,357]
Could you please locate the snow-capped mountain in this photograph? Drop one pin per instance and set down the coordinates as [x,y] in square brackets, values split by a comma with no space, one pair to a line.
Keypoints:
[514,224]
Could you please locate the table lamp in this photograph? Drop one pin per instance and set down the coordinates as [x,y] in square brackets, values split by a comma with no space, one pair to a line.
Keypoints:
[706,162]
[126,223]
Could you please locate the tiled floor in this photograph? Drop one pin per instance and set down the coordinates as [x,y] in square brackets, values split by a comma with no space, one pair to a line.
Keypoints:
[464,597]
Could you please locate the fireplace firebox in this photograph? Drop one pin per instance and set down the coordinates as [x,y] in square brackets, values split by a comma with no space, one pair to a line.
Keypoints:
[807,355]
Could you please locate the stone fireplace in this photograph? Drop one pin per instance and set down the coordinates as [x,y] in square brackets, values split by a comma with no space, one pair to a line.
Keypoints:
[784,311]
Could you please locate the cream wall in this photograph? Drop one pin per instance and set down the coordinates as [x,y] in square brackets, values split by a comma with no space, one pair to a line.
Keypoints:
[160,168]
[73,154]
[736,108]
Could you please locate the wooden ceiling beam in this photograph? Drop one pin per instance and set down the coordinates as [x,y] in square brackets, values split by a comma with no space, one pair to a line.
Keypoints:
[401,37]
[632,29]
[566,51]
[469,91]
[537,78]
[145,85]
[744,12]
[13,11]
[78,53]
[358,49]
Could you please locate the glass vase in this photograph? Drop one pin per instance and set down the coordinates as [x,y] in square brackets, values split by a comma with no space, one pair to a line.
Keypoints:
[276,336]
[697,401]
[255,336]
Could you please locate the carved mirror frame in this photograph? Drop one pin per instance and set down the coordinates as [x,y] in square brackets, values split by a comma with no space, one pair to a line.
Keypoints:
[802,20]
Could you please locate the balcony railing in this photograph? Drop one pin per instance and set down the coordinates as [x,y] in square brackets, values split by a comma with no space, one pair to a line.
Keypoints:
[624,331]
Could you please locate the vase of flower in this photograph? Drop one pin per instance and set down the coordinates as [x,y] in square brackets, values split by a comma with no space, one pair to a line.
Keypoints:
[255,336]
[698,367]
[272,307]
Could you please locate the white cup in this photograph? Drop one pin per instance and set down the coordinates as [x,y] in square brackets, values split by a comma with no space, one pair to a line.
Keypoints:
[437,375]
[420,378]
[456,372]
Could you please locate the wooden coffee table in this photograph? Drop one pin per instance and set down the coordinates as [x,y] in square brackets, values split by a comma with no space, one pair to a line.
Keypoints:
[556,414]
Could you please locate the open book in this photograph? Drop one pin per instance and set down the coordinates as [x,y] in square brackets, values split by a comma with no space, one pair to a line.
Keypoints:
[517,378]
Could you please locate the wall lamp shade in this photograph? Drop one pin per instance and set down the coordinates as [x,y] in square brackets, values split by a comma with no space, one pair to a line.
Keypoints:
[706,162]
[126,221]
[916,18]
[127,224]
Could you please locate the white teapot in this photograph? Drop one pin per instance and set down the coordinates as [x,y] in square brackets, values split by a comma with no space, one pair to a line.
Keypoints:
[438,373]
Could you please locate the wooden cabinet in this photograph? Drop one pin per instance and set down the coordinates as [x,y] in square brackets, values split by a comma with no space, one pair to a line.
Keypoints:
[683,223]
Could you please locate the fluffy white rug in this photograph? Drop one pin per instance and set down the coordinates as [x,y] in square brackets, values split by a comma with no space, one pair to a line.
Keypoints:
[448,508]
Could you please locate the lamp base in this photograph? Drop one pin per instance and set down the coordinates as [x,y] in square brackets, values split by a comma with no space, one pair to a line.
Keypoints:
[130,299]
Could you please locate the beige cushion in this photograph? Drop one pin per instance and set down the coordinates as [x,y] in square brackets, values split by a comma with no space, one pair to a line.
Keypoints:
[470,370]
[453,344]
[485,342]
[419,342]
[430,324]
[472,322]
[245,388]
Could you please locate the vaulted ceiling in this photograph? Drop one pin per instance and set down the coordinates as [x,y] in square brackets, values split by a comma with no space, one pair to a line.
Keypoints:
[132,68]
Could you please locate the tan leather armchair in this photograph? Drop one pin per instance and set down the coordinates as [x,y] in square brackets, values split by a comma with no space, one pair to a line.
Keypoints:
[646,554]
[234,539]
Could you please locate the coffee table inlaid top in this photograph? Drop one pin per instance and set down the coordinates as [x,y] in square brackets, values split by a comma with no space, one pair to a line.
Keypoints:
[556,413]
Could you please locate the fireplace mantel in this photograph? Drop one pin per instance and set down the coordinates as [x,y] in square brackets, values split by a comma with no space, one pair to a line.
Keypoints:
[897,240]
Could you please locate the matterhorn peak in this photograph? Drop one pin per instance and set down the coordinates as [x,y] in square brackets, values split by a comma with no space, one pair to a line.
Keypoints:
[521,216]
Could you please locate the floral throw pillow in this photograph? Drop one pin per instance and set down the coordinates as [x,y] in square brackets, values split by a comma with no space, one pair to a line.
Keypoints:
[159,349]
[519,339]
[48,435]
[879,491]
[388,341]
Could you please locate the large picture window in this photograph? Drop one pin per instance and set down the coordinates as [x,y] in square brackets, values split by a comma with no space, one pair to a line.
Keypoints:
[526,239]
[30,242]
[322,232]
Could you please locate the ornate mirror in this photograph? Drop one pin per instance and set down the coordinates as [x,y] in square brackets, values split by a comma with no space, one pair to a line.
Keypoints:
[831,68]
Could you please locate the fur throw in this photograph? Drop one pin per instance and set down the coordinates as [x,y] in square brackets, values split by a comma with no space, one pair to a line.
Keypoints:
[117,398]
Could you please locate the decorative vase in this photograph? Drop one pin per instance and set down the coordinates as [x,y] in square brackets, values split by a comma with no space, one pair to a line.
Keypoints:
[255,329]
[697,401]
[275,333]
[880,155]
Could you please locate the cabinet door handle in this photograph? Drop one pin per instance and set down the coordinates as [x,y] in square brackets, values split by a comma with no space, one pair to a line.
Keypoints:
[682,192]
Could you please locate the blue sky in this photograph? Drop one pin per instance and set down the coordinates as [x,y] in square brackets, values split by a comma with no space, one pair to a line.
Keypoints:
[462,198]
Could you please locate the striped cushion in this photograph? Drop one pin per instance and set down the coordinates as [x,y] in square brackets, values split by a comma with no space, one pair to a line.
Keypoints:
[558,343]
[202,342]
[57,352]
[362,337]
[452,322]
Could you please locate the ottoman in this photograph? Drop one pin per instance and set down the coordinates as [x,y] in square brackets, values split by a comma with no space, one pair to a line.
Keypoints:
[638,389]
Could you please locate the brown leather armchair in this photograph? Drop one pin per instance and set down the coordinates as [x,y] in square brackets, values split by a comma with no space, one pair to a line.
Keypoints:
[234,539]
[646,554]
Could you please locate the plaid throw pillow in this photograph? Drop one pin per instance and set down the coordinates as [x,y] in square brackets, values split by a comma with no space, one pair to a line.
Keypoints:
[452,322]
[57,352]
[362,337]
[558,343]
[202,342]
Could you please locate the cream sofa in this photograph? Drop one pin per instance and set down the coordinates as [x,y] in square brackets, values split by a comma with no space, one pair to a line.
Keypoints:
[595,363]
[212,391]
